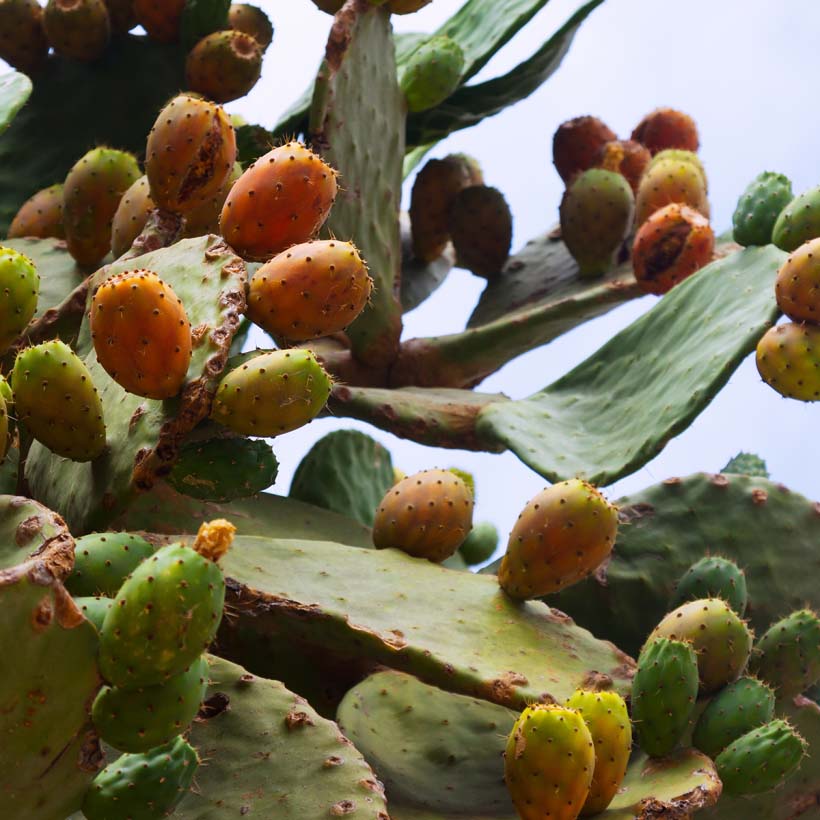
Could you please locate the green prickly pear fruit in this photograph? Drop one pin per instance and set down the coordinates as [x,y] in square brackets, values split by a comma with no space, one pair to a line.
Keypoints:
[95,608]
[713,577]
[758,208]
[131,215]
[761,760]
[143,786]
[19,292]
[787,656]
[427,515]
[78,29]
[224,66]
[668,181]
[680,155]
[667,128]
[121,15]
[480,225]
[664,691]
[480,544]
[40,216]
[103,560]
[596,217]
[432,73]
[251,20]
[799,221]
[625,157]
[549,763]
[561,536]
[57,402]
[161,19]
[735,710]
[23,42]
[272,394]
[788,360]
[720,638]
[797,287]
[577,143]
[747,464]
[607,719]
[8,405]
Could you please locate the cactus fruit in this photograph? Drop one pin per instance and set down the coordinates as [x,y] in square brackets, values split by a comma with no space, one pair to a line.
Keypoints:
[720,638]
[799,221]
[740,707]
[673,243]
[760,760]
[679,155]
[78,29]
[19,292]
[131,215]
[121,15]
[668,181]
[272,393]
[667,128]
[596,216]
[205,218]
[560,537]
[57,402]
[480,225]
[758,208]
[577,143]
[607,719]
[310,290]
[480,544]
[329,6]
[625,157]
[281,200]
[93,190]
[664,691]
[161,19]
[190,152]
[407,6]
[102,562]
[95,609]
[141,334]
[549,763]
[40,216]
[787,656]
[224,66]
[22,39]
[251,20]
[788,360]
[747,464]
[713,577]
[432,73]
[797,287]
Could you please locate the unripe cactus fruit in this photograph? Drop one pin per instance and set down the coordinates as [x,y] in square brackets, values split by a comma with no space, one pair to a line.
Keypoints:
[788,360]
[251,20]
[41,215]
[675,242]
[160,18]
[670,181]
[190,152]
[667,128]
[19,292]
[799,221]
[103,560]
[549,763]
[713,577]
[787,656]
[57,402]
[577,143]
[625,157]
[427,515]
[797,286]
[224,66]
[281,200]
[205,218]
[22,39]
[78,29]
[141,334]
[758,208]
[94,609]
[561,536]
[480,544]
[432,73]
[121,15]
[131,215]
[679,155]
[480,224]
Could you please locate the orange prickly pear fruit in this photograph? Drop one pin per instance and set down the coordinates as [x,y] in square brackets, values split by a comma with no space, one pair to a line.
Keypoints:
[281,200]
[41,216]
[788,360]
[797,287]
[205,218]
[160,18]
[224,66]
[667,128]
[577,143]
[668,181]
[22,39]
[253,21]
[141,334]
[78,29]
[625,157]
[131,216]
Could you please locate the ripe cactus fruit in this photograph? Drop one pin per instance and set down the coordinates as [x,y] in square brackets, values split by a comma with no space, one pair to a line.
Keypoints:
[141,334]
[57,402]
[480,544]
[480,224]
[759,206]
[799,221]
[92,193]
[561,536]
[549,763]
[667,128]
[205,218]
[713,577]
[797,286]
[121,15]
[272,393]
[427,515]
[432,73]
[577,143]
[224,66]
[281,200]
[160,18]
[190,152]
[94,609]
[680,155]
[103,560]
[19,292]
[22,39]
[673,243]
[787,656]
[78,29]
[668,181]
[664,691]
[607,719]
[788,360]
[596,216]
[720,638]
[625,157]
[310,290]
[41,215]
[131,215]
[251,20]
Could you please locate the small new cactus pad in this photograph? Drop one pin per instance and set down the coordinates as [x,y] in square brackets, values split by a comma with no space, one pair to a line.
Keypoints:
[577,143]
[272,393]
[720,638]
[480,544]
[625,157]
[41,215]
[143,786]
[131,215]
[164,617]
[667,128]
[668,181]
[788,360]
[670,246]
[432,73]
[19,292]
[160,18]
[103,560]
[679,155]
[758,208]
[78,29]
[747,464]
[799,221]
[205,218]
[797,287]
[713,577]
[607,719]
[310,290]
[664,691]
[136,720]
[761,759]
[121,15]
[427,515]
[596,216]
[224,66]
[480,225]
[22,39]
[787,656]
[95,608]
[560,537]
[735,710]
[251,20]
[57,402]
[549,763]
[191,151]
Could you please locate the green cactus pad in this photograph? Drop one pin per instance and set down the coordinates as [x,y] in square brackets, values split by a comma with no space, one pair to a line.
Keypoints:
[103,560]
[15,89]
[747,464]
[480,544]
[759,207]
[94,609]
[713,577]
[26,529]
[787,656]
[799,221]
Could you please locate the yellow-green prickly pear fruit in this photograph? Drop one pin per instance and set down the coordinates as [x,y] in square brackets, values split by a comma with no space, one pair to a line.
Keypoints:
[668,181]
[797,287]
[19,292]
[788,360]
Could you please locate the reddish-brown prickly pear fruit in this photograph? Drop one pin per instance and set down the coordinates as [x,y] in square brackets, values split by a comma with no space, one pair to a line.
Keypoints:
[281,200]
[253,21]
[160,18]
[22,39]
[427,515]
[309,290]
[191,151]
[480,223]
[797,287]
[131,215]
[671,180]
[577,143]
[407,6]
[788,360]
[78,29]
[141,334]
[91,195]
[667,128]
[121,15]
[224,66]
[625,157]
[205,218]
[40,216]
[671,245]
[561,536]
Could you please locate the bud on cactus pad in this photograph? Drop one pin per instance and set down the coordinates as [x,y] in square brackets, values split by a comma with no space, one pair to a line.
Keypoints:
[251,20]
[432,73]
[788,654]
[577,143]
[797,287]
[19,292]
[549,763]
[78,29]
[131,215]
[141,334]
[625,157]
[713,577]
[160,18]
[788,360]
[102,562]
[94,609]
[22,39]
[480,544]
[41,216]
[121,15]
[667,128]
[758,208]
[224,66]
[427,515]
[679,155]
[668,181]
[480,223]
[799,221]
[561,536]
